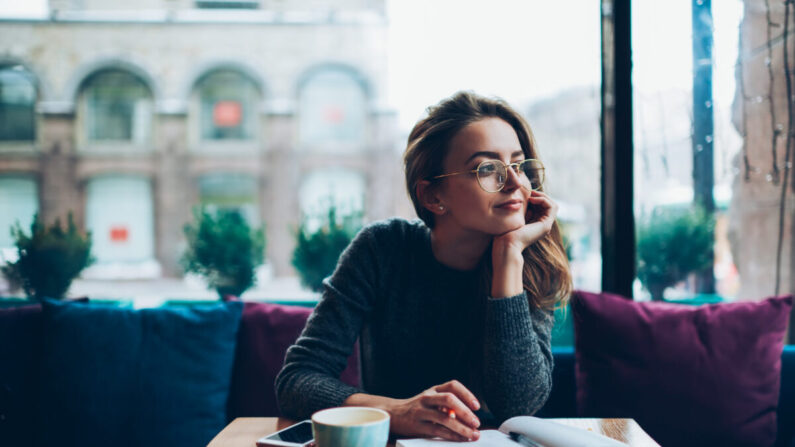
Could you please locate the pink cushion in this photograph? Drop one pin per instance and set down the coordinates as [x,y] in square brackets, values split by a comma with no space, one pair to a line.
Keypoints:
[706,375]
[266,331]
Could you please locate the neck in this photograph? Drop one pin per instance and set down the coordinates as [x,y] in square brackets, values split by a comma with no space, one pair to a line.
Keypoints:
[457,248]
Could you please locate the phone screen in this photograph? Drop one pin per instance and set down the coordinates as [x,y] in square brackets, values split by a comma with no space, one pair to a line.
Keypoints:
[298,433]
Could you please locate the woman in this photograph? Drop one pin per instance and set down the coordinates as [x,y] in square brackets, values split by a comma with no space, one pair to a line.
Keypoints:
[454,311]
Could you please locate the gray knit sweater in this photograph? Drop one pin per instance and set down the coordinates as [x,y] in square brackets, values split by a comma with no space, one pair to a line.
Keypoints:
[421,324]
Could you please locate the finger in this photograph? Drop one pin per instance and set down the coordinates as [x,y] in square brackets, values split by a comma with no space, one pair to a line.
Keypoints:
[457,388]
[450,401]
[445,429]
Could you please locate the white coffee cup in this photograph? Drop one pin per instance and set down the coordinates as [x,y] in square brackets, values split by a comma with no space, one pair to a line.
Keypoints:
[351,427]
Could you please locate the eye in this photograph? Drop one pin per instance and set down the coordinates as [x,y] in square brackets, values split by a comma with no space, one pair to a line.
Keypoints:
[487,168]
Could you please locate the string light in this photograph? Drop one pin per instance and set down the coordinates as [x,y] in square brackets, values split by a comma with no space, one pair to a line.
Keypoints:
[788,151]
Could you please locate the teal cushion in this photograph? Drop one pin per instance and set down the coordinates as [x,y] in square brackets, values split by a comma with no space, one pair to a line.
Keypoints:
[125,377]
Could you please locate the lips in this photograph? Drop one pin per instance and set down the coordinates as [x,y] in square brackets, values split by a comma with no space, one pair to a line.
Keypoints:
[514,204]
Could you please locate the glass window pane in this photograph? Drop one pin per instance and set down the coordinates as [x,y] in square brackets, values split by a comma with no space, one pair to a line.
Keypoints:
[119,214]
[17,100]
[228,191]
[683,120]
[19,201]
[337,187]
[228,106]
[332,108]
[119,108]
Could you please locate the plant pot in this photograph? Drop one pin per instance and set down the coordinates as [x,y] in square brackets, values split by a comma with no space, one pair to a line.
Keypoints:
[232,289]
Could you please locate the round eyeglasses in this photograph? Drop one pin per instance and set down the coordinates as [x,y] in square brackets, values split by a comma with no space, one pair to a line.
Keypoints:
[492,174]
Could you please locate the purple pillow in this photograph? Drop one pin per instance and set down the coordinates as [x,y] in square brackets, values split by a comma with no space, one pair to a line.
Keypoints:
[690,376]
[266,331]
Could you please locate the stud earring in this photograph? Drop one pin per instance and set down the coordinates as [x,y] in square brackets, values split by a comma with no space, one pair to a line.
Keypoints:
[441,207]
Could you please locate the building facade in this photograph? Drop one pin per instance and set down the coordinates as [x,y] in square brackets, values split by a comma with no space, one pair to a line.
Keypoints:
[129,115]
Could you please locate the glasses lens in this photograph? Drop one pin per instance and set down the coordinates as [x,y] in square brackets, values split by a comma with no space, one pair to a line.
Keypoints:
[491,175]
[534,171]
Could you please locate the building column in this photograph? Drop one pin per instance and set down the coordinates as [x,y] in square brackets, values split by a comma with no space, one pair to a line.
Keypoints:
[59,191]
[172,193]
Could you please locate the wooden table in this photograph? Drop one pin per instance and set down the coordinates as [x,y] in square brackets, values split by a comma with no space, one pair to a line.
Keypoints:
[244,432]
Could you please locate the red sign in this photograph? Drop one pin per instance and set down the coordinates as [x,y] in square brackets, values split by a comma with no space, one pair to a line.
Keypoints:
[119,234]
[334,115]
[227,113]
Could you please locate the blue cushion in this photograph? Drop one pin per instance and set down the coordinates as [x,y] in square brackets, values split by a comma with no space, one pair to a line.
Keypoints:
[562,402]
[786,399]
[124,377]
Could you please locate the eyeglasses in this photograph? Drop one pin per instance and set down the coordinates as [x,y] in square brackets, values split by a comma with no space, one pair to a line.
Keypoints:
[492,174]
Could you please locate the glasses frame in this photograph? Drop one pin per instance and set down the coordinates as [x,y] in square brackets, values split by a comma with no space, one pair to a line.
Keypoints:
[513,166]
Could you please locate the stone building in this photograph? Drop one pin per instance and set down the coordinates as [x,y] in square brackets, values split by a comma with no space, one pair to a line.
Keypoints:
[760,112]
[129,114]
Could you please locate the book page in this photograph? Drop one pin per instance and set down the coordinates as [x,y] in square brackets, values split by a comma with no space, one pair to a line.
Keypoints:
[552,434]
[488,438]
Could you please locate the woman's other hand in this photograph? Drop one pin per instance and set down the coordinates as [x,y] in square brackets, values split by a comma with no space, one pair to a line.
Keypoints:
[506,252]
[539,217]
[443,410]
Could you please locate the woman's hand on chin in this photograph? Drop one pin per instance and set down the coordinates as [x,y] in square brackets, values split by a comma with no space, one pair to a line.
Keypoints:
[539,217]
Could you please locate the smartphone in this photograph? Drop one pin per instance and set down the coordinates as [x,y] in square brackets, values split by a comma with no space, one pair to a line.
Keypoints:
[296,435]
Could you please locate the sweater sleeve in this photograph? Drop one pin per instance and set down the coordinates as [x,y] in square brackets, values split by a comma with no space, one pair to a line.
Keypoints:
[518,357]
[309,380]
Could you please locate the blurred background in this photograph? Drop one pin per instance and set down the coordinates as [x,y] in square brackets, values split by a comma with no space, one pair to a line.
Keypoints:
[130,115]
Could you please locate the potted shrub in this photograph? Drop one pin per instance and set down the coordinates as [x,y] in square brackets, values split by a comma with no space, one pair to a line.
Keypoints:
[671,244]
[224,249]
[49,258]
[317,251]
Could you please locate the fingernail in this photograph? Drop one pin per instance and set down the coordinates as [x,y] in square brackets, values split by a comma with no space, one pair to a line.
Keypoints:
[476,404]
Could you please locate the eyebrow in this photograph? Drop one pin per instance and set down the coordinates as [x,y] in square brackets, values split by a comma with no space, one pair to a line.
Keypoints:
[491,154]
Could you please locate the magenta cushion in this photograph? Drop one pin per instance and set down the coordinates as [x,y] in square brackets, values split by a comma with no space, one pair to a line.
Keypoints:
[690,376]
[266,331]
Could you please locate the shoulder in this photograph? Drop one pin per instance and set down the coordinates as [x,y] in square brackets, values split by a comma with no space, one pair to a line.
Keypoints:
[393,230]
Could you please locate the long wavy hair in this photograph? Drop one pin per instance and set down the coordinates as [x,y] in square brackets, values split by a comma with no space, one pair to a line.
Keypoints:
[546,276]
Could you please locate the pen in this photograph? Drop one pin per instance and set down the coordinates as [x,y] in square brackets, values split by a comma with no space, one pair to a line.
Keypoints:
[523,440]
[450,412]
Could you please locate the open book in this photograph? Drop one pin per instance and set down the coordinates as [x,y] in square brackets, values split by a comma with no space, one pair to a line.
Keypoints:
[525,431]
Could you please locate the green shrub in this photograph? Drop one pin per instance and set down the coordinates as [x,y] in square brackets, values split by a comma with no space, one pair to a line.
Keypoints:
[224,249]
[671,244]
[49,258]
[317,252]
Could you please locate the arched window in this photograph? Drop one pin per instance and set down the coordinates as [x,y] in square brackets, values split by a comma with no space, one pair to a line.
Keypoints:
[19,202]
[342,188]
[116,106]
[17,101]
[332,107]
[227,106]
[229,191]
[120,216]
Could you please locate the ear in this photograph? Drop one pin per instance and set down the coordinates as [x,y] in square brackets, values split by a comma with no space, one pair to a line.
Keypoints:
[428,197]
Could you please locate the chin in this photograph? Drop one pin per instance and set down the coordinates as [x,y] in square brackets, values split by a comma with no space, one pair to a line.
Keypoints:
[508,224]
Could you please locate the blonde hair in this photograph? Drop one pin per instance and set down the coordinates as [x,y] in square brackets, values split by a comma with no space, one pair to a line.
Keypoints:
[545,276]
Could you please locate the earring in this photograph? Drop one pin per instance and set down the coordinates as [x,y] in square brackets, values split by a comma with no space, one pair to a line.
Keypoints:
[441,207]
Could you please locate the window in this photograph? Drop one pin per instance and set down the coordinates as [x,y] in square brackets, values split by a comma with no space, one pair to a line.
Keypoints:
[120,216]
[341,188]
[227,191]
[682,117]
[117,107]
[332,108]
[17,101]
[19,202]
[228,106]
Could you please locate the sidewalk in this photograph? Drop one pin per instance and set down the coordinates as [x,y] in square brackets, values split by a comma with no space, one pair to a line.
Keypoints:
[153,292]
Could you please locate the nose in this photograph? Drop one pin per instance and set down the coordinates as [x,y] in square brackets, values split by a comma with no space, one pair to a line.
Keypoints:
[512,180]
